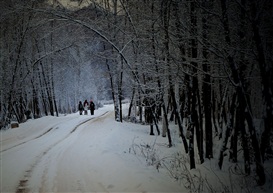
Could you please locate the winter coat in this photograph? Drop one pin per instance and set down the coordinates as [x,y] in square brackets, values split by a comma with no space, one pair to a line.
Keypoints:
[92,106]
[80,107]
[85,105]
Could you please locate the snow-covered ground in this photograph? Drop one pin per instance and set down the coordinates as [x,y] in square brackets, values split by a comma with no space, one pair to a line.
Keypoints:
[76,153]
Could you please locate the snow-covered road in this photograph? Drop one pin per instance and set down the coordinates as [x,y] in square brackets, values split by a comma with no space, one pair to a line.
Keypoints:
[76,153]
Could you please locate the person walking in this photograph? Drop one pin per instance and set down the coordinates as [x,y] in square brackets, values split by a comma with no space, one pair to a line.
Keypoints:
[80,107]
[85,106]
[92,107]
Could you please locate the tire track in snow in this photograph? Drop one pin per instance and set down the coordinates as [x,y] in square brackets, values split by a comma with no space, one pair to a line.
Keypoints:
[37,137]
[28,140]
[87,121]
[23,183]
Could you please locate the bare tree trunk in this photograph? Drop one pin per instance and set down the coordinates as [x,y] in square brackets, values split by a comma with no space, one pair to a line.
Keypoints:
[266,71]
[166,15]
[12,94]
[112,89]
[35,102]
[139,104]
[165,126]
[120,90]
[48,89]
[207,86]
[54,105]
[131,103]
[193,123]
[243,103]
[193,95]
[255,144]
[199,130]
[233,156]
[222,109]
[214,112]
[227,132]
[43,94]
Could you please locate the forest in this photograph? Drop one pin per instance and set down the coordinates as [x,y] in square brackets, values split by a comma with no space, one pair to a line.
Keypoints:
[207,65]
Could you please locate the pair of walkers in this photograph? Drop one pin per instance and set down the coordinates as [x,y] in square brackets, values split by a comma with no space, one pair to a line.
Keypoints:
[85,106]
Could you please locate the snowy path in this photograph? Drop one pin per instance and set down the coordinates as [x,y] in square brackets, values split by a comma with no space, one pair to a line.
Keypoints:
[76,154]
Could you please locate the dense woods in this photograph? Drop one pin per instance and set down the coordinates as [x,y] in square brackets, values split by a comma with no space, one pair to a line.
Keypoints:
[205,64]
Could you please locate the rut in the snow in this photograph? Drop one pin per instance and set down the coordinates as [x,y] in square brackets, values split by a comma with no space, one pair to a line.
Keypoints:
[27,140]
[23,184]
[87,121]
